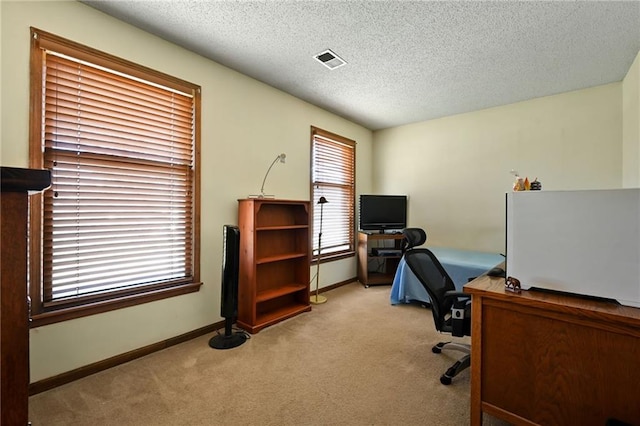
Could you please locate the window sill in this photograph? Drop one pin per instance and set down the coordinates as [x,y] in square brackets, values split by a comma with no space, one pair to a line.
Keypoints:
[332,257]
[52,317]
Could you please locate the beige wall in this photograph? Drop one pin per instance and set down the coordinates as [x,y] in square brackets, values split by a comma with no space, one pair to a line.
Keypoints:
[456,169]
[631,126]
[245,124]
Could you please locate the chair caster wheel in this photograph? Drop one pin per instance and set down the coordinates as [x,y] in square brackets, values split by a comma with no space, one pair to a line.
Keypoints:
[451,372]
[445,380]
[438,348]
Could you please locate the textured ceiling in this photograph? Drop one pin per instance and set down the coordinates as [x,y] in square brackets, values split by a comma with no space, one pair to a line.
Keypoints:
[407,61]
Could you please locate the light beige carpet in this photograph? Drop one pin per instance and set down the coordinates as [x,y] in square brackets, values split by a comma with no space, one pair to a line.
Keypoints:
[355,360]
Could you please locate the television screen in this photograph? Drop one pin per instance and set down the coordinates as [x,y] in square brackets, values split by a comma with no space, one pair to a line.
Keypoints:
[383,212]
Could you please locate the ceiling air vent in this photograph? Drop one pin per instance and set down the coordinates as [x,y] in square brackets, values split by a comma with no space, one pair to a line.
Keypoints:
[329,59]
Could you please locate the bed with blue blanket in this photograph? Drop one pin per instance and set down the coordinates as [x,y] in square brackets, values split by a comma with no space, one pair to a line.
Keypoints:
[459,264]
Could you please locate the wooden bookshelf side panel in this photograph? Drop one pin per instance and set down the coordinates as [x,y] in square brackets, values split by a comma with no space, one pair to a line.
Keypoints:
[247,269]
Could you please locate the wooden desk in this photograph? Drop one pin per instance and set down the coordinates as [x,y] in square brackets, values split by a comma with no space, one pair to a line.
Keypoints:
[14,316]
[549,359]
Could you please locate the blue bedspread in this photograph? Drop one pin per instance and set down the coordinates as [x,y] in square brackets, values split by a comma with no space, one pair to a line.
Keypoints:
[459,264]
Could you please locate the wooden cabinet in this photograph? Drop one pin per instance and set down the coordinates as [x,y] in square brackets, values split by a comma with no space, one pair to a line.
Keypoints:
[275,257]
[14,312]
[375,266]
[552,359]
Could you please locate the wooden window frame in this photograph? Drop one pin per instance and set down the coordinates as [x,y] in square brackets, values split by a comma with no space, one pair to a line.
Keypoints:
[316,193]
[83,306]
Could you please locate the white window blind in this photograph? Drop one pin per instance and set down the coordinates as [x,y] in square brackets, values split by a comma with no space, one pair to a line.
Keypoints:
[333,177]
[119,218]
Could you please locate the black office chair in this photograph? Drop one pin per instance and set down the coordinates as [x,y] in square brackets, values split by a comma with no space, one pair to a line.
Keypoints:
[413,237]
[451,309]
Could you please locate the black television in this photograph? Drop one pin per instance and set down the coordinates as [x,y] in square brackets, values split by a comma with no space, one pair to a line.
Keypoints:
[383,212]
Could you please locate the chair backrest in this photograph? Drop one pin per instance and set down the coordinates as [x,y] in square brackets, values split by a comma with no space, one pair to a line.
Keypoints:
[413,237]
[426,267]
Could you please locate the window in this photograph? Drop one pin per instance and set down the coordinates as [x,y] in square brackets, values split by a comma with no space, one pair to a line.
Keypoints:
[119,225]
[333,177]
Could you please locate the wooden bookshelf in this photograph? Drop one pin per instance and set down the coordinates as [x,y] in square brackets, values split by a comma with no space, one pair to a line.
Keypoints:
[275,256]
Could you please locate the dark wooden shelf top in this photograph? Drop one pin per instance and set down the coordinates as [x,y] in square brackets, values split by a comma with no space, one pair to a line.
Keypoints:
[16,179]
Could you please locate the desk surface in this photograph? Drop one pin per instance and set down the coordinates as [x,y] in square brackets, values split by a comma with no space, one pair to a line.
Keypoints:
[494,287]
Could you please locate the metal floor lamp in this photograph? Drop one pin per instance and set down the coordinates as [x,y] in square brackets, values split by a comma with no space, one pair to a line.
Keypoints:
[317,299]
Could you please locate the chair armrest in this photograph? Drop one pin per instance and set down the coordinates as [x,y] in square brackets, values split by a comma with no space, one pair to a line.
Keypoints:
[455,293]
[460,321]
[460,299]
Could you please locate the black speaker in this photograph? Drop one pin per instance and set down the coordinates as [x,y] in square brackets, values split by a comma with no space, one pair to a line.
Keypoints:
[229,297]
[230,265]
